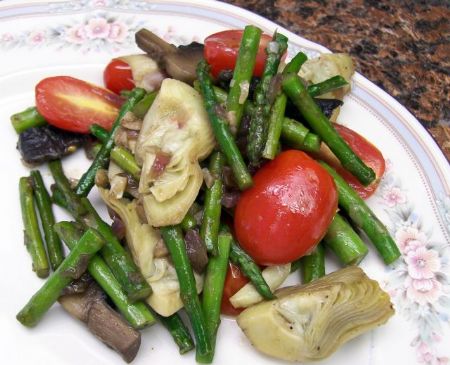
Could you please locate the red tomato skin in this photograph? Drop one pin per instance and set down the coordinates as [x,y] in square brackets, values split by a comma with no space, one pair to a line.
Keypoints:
[118,76]
[221,50]
[287,211]
[367,152]
[74,105]
[234,281]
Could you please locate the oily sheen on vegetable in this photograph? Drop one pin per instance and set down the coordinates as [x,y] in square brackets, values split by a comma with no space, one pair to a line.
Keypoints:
[287,211]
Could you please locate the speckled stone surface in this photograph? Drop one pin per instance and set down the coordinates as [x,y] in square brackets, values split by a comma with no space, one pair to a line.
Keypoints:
[402,46]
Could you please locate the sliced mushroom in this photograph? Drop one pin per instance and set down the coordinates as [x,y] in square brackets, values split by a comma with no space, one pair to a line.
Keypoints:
[91,308]
[179,62]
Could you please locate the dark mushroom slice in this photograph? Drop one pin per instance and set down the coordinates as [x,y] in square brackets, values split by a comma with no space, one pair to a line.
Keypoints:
[179,62]
[326,105]
[196,250]
[91,308]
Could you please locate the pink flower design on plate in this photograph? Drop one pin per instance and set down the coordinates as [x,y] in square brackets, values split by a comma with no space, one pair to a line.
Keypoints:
[36,37]
[423,291]
[410,239]
[393,196]
[76,34]
[6,37]
[99,3]
[118,32]
[97,28]
[422,263]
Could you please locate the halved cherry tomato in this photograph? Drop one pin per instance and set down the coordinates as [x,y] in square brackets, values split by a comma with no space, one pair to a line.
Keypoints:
[367,152]
[118,76]
[234,281]
[287,211]
[74,105]
[221,50]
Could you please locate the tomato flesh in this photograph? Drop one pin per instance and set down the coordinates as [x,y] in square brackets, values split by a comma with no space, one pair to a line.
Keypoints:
[287,211]
[234,281]
[118,76]
[367,152]
[74,105]
[221,50]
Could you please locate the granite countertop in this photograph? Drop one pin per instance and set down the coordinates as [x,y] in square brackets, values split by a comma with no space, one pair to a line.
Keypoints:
[402,46]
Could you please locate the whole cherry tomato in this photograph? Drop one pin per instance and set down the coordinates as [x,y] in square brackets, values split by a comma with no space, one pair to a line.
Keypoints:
[367,152]
[234,281]
[221,50]
[74,105]
[118,76]
[287,211]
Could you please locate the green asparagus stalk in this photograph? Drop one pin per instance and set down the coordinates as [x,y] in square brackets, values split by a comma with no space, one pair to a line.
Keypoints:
[257,135]
[296,91]
[173,238]
[142,107]
[137,314]
[221,130]
[33,238]
[363,217]
[295,64]
[216,272]
[119,261]
[101,160]
[275,126]
[178,330]
[298,136]
[242,74]
[188,222]
[313,265]
[344,242]
[295,265]
[330,84]
[71,268]
[209,229]
[28,118]
[44,204]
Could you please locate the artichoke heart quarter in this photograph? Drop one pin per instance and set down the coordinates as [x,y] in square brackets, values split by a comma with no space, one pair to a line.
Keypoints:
[309,322]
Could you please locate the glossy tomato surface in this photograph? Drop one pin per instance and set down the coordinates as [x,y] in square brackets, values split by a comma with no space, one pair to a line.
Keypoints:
[367,152]
[74,105]
[118,76]
[288,209]
[234,281]
[221,50]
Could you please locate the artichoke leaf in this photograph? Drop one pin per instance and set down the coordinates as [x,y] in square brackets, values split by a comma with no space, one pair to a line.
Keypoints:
[309,322]
[177,128]
[141,65]
[248,295]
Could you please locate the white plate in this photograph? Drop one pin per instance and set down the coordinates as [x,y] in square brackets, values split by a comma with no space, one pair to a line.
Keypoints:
[39,39]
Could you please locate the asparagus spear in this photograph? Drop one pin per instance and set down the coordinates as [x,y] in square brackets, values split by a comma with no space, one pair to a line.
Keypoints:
[363,217]
[119,261]
[295,64]
[213,205]
[173,238]
[71,268]
[242,74]
[33,238]
[298,136]
[344,242]
[137,314]
[275,127]
[296,91]
[213,288]
[142,107]
[44,204]
[188,222]
[28,118]
[257,134]
[313,265]
[178,330]
[327,85]
[221,130]
[87,180]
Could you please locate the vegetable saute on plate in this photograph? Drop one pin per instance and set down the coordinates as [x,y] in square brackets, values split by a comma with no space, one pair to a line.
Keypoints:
[224,171]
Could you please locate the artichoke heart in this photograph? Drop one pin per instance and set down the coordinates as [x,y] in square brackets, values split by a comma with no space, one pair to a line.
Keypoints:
[159,272]
[311,321]
[175,136]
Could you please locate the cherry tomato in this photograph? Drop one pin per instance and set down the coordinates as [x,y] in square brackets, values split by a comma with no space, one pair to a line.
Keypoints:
[74,105]
[367,152]
[234,281]
[118,76]
[221,50]
[286,212]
